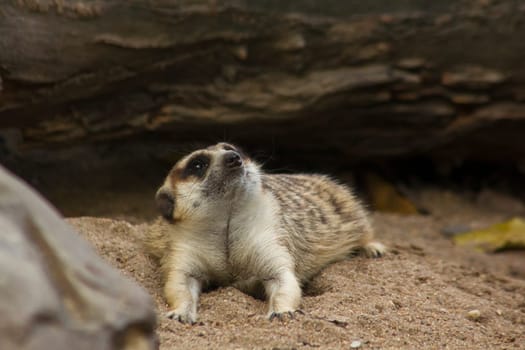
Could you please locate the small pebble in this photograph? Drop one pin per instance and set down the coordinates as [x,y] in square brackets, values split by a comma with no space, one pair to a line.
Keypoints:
[474,315]
[499,312]
[355,344]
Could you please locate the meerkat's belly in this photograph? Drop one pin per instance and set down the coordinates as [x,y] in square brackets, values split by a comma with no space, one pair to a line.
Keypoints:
[255,253]
[241,260]
[202,255]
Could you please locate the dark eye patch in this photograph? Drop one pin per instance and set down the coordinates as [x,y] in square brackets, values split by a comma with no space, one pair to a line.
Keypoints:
[196,166]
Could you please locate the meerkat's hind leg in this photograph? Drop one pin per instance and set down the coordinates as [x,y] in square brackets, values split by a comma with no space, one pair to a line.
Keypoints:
[373,249]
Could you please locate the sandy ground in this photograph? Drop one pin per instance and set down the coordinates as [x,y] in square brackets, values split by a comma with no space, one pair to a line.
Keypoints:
[417,297]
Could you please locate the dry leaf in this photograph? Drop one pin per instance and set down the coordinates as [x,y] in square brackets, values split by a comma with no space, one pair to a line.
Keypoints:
[506,235]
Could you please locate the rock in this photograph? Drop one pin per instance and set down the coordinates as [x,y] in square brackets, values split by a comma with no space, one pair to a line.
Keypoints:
[473,77]
[411,63]
[356,344]
[300,74]
[55,292]
[474,315]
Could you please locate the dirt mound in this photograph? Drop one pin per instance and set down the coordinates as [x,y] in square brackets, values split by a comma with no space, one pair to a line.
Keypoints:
[417,297]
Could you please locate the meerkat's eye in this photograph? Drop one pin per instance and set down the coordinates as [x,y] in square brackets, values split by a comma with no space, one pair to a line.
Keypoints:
[197,166]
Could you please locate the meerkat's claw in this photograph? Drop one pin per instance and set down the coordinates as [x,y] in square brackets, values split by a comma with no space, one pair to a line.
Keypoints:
[174,315]
[374,249]
[281,316]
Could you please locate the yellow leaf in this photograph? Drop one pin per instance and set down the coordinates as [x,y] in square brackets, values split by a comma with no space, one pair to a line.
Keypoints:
[506,235]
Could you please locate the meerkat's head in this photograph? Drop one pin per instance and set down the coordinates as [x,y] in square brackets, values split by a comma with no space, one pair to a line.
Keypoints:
[206,182]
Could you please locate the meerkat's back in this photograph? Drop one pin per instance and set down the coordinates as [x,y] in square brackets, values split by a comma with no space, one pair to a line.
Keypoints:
[321,221]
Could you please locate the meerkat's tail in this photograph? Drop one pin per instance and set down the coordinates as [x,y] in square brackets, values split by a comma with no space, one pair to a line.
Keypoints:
[374,249]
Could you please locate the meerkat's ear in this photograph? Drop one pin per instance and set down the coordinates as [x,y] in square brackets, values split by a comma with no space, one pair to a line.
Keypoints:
[165,204]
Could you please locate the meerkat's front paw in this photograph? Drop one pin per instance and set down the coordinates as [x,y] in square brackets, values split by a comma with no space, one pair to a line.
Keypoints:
[183,316]
[281,316]
[284,295]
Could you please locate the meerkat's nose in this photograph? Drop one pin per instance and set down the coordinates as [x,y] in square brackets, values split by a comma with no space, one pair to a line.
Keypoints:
[165,204]
[232,159]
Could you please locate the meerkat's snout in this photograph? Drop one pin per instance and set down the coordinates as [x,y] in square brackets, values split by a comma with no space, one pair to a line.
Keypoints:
[165,204]
[232,160]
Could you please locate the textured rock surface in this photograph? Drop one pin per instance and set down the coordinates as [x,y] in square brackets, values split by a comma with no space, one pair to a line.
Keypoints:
[55,292]
[378,80]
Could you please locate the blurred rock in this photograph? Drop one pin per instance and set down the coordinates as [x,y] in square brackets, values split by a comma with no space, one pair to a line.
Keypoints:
[295,76]
[55,292]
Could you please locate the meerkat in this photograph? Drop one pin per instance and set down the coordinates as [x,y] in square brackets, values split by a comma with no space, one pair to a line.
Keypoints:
[226,222]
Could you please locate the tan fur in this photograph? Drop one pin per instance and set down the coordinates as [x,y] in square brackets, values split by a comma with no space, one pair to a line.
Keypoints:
[252,230]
